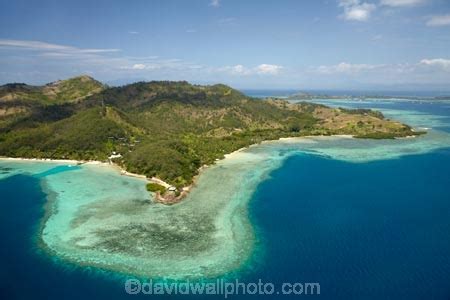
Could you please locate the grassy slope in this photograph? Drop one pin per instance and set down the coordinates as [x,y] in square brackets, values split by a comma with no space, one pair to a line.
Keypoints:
[58,92]
[170,129]
[20,102]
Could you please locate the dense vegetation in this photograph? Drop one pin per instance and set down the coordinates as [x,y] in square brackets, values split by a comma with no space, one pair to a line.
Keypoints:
[163,129]
[154,187]
[363,111]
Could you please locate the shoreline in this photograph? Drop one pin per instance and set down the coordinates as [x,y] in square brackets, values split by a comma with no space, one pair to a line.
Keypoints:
[185,190]
[76,162]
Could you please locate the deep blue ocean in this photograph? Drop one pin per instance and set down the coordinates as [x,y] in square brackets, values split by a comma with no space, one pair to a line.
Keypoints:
[377,230]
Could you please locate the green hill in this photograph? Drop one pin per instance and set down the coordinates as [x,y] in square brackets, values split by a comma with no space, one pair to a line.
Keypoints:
[168,129]
[58,92]
[20,100]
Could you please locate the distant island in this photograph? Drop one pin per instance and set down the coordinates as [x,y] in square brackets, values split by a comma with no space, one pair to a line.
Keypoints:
[312,96]
[164,130]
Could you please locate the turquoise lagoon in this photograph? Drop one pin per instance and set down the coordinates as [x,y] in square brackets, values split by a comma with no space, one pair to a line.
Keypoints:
[364,218]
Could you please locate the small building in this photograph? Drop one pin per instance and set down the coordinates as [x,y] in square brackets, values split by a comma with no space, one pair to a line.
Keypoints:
[172,189]
[114,155]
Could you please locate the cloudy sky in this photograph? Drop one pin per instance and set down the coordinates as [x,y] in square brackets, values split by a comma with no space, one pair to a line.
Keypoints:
[316,44]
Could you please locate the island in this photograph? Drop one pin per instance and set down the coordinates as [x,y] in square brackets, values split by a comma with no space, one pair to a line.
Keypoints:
[166,131]
[308,96]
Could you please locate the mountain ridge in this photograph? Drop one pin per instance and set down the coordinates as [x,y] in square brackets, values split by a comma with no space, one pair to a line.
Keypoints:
[56,92]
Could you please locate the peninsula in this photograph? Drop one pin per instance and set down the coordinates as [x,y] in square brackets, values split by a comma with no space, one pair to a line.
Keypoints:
[164,130]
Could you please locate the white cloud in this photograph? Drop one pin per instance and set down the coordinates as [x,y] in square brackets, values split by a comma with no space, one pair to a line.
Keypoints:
[347,68]
[262,69]
[268,69]
[150,64]
[214,3]
[433,65]
[422,74]
[401,3]
[443,20]
[133,32]
[239,69]
[355,10]
[73,58]
[440,63]
[55,55]
[138,67]
[234,70]
[43,46]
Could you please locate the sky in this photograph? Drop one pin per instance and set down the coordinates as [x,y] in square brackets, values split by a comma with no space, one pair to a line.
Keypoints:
[248,44]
